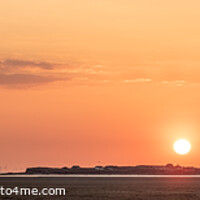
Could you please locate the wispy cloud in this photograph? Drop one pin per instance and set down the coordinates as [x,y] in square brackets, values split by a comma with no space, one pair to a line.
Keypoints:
[17,72]
[14,63]
[25,79]
[29,72]
[138,80]
[177,83]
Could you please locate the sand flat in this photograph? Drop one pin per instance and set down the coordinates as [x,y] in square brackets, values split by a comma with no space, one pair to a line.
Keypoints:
[111,188]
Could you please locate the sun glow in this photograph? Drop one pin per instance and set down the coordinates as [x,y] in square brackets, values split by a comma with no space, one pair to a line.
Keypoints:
[182,146]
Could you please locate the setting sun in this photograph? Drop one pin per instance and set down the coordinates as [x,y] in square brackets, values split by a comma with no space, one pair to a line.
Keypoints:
[182,146]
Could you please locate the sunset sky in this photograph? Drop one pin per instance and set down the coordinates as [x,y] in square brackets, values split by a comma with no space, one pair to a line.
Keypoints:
[98,82]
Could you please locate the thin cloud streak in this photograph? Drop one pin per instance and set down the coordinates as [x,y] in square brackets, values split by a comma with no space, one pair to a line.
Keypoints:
[25,72]
[14,63]
[25,79]
[177,83]
[138,80]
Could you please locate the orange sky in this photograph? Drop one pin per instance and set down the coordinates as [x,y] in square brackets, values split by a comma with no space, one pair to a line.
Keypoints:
[105,80]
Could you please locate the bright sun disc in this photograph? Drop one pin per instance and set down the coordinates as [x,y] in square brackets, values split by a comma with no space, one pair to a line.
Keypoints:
[182,146]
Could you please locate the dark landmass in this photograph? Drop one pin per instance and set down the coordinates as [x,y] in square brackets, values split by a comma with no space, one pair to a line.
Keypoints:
[168,169]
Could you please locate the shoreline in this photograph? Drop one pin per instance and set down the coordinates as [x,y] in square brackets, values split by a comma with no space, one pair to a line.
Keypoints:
[97,176]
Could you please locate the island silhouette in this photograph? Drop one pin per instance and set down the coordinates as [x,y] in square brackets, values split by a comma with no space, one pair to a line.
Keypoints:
[168,169]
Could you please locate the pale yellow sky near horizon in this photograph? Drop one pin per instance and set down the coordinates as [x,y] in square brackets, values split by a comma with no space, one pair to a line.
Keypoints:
[85,81]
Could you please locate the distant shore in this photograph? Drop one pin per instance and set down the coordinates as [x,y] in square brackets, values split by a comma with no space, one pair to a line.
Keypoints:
[168,169]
